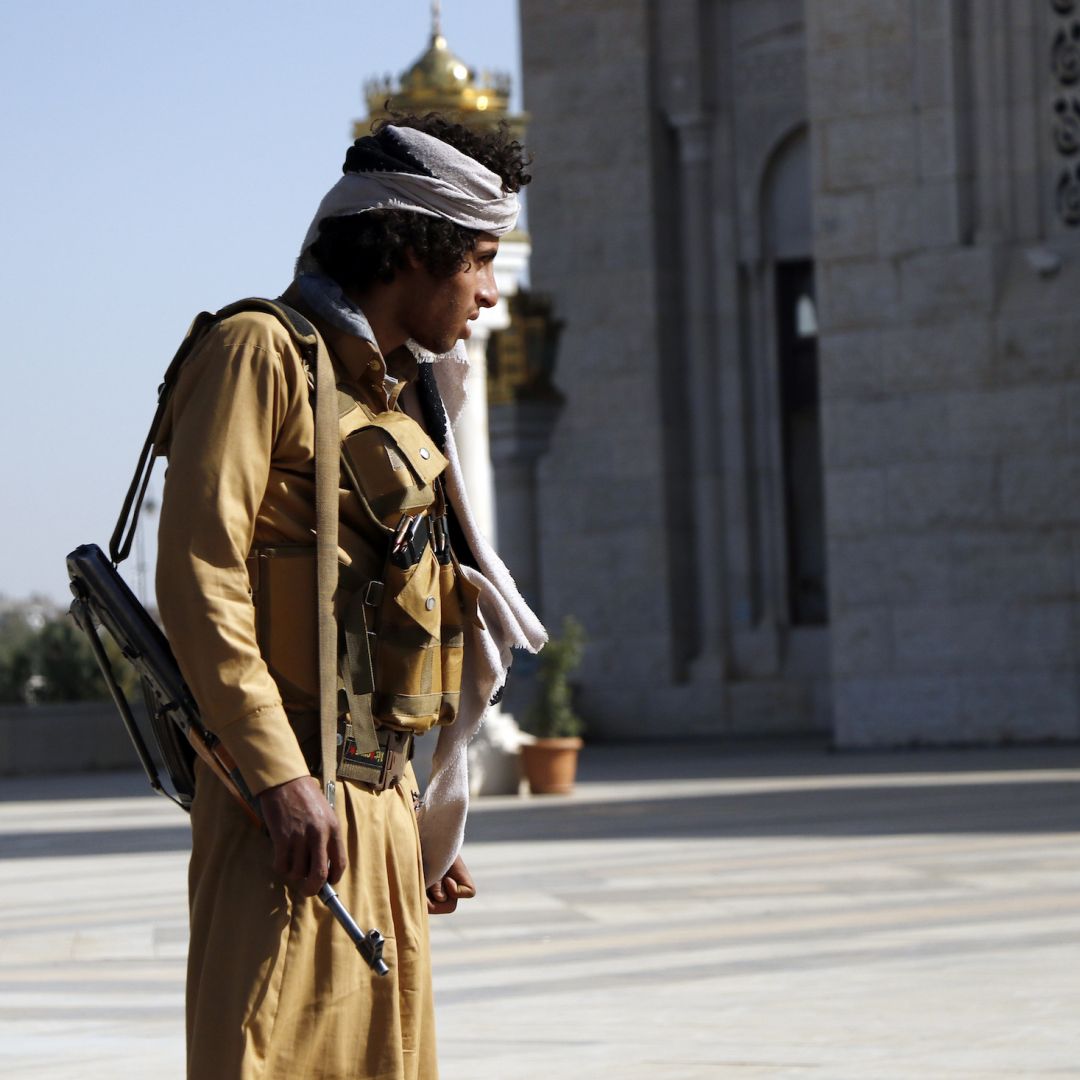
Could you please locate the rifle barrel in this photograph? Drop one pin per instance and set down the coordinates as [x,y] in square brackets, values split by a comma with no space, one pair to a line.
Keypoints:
[369,945]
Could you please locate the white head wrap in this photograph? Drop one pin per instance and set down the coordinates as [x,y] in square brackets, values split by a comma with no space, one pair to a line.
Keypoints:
[434,179]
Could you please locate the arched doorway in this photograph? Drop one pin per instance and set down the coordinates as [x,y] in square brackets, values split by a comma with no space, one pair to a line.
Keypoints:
[788,251]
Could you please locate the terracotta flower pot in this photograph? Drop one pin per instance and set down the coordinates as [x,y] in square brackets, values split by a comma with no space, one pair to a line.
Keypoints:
[550,765]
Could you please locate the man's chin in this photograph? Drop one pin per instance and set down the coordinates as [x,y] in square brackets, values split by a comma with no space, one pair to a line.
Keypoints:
[443,346]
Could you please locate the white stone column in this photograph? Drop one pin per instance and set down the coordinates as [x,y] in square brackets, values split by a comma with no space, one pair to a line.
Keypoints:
[493,754]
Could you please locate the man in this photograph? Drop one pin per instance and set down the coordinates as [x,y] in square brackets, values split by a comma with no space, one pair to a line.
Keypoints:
[398,261]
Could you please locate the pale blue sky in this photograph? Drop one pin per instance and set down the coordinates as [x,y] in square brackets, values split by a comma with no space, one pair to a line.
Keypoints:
[160,159]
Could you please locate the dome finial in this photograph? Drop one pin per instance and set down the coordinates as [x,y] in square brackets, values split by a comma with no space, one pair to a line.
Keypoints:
[436,18]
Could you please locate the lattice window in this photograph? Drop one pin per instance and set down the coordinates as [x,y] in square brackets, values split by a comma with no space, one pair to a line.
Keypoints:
[1065,67]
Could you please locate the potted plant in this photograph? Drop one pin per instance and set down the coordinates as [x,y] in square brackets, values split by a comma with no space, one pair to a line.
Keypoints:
[549,759]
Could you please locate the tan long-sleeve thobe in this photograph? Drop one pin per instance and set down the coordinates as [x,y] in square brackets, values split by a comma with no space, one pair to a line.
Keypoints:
[275,987]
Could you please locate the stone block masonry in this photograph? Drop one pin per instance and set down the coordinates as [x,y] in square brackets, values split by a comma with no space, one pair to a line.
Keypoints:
[950,384]
[688,155]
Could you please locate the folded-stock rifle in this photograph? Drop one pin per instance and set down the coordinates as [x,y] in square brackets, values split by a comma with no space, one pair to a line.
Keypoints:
[103,598]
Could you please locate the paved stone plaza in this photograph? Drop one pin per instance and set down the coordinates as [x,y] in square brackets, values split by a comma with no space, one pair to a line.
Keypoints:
[744,913]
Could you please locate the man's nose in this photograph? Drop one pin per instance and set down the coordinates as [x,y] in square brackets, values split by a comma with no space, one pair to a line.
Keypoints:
[487,292]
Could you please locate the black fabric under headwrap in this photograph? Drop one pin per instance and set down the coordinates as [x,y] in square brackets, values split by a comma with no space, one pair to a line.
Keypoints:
[383,152]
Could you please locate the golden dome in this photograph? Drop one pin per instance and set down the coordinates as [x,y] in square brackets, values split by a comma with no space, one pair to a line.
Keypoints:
[440,81]
[438,71]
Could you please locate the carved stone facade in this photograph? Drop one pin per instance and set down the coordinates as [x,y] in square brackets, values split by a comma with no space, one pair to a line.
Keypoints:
[818,469]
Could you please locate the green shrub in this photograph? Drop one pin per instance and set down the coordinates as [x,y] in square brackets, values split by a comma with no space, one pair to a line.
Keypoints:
[551,714]
[51,661]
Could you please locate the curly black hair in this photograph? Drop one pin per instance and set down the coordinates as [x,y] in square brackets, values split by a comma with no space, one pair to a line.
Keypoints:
[359,250]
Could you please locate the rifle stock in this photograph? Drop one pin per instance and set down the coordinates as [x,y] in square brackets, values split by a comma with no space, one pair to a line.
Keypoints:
[102,596]
[221,764]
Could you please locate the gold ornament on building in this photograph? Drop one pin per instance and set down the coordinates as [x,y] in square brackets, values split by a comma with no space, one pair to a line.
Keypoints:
[521,357]
[440,81]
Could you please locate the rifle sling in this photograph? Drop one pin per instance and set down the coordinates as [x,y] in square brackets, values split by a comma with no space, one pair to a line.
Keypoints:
[327,472]
[120,542]
[327,454]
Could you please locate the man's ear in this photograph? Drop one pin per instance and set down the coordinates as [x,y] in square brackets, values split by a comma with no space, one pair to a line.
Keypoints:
[412,260]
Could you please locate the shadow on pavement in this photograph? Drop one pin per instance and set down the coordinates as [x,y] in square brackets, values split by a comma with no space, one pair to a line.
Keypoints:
[59,844]
[1001,807]
[902,798]
[1005,806]
[760,758]
[121,784]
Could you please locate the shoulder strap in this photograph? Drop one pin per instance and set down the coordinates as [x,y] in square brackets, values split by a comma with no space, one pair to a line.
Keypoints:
[124,533]
[327,473]
[306,338]
[317,361]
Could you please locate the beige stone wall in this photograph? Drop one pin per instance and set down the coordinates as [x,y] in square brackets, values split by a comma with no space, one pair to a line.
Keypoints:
[655,127]
[948,366]
[603,539]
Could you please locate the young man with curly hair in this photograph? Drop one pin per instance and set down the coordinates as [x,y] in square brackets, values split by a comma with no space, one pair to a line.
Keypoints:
[398,261]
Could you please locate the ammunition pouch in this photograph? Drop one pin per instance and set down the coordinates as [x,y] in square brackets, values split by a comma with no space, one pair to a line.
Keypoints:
[401,638]
[282,580]
[418,645]
[390,460]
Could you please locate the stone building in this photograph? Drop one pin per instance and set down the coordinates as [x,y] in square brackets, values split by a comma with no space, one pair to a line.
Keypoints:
[818,466]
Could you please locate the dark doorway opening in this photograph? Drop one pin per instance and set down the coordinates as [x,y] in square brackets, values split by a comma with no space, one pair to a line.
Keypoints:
[800,407]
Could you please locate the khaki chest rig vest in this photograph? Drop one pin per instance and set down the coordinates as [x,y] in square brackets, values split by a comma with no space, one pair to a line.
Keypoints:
[399,617]
[401,629]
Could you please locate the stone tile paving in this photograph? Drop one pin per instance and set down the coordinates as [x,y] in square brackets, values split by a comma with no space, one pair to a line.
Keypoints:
[738,912]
